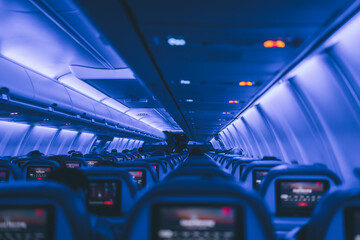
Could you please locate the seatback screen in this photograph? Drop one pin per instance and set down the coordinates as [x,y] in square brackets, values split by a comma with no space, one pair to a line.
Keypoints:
[37,172]
[91,163]
[258,176]
[139,177]
[298,197]
[352,223]
[207,222]
[72,164]
[35,223]
[104,197]
[4,175]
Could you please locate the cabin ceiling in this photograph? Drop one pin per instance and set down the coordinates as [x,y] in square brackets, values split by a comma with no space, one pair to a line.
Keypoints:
[224,46]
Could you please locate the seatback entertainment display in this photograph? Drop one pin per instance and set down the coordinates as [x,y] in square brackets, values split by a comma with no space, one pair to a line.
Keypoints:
[139,177]
[352,223]
[91,163]
[298,197]
[35,223]
[258,176]
[4,176]
[104,197]
[207,222]
[72,164]
[37,172]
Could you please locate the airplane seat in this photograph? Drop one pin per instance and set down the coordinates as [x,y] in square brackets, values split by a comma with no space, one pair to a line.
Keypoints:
[111,193]
[292,191]
[69,161]
[143,173]
[109,157]
[253,174]
[9,172]
[158,165]
[38,169]
[43,210]
[92,159]
[203,209]
[336,217]
[199,172]
[239,166]
[120,157]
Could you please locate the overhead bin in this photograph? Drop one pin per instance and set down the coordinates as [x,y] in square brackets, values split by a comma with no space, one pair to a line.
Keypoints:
[30,87]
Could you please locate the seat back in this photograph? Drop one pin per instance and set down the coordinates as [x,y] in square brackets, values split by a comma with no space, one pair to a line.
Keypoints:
[254,172]
[44,209]
[184,209]
[337,216]
[38,169]
[111,191]
[293,191]
[9,172]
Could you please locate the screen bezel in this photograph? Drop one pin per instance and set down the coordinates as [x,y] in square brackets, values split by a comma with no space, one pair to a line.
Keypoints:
[349,223]
[295,212]
[37,166]
[106,210]
[239,224]
[254,178]
[143,176]
[50,219]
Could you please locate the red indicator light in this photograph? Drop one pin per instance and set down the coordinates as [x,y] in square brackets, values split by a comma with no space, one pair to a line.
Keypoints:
[302,204]
[108,203]
[318,184]
[14,113]
[233,101]
[245,84]
[129,158]
[39,212]
[139,172]
[273,44]
[39,178]
[226,211]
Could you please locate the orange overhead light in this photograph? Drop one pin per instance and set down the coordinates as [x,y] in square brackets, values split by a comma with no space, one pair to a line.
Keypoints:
[233,101]
[225,113]
[245,84]
[274,44]
[46,119]
[14,113]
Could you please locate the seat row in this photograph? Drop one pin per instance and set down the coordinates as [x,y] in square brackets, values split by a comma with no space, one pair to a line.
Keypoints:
[197,199]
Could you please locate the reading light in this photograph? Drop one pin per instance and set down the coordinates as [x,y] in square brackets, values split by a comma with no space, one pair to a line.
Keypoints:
[176,41]
[185,82]
[273,44]
[246,84]
[14,113]
[225,113]
[189,100]
[233,101]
